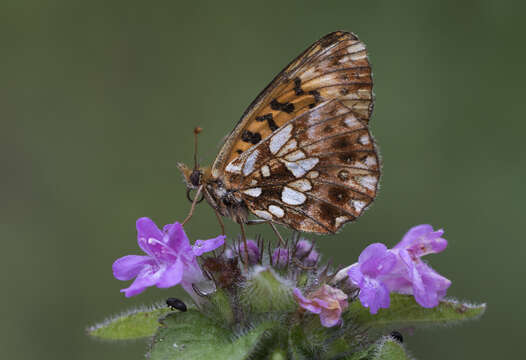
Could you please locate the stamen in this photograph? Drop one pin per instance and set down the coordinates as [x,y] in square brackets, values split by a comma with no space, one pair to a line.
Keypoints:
[165,246]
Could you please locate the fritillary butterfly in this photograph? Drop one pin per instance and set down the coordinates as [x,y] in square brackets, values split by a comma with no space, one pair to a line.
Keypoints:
[302,154]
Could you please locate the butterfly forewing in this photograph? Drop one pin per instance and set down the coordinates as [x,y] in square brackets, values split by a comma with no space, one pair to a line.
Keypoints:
[336,66]
[302,154]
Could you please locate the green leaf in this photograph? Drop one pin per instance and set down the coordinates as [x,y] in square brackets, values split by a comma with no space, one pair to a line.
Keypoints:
[405,311]
[191,335]
[389,349]
[385,349]
[134,324]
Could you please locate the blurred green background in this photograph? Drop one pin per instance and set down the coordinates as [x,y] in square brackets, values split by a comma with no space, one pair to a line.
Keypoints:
[99,99]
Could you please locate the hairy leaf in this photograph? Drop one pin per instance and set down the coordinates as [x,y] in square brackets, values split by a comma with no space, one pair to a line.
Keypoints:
[191,335]
[134,324]
[405,311]
[389,349]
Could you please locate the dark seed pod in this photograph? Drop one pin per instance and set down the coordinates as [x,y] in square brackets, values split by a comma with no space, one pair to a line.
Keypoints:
[397,336]
[174,304]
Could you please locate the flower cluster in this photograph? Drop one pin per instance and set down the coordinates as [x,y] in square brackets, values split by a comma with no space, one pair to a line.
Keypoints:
[380,271]
[171,260]
[326,301]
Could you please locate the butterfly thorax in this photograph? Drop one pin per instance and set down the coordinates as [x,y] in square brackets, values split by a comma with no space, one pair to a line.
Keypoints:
[225,200]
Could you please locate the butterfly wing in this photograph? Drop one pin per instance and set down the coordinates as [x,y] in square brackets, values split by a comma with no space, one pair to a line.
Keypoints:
[314,174]
[335,66]
[302,154]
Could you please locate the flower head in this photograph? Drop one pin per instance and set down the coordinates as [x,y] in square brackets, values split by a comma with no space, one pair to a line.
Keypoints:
[374,262]
[412,275]
[421,240]
[306,253]
[280,257]
[253,252]
[380,271]
[169,259]
[326,301]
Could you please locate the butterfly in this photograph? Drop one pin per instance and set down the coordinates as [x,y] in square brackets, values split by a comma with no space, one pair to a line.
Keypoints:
[301,154]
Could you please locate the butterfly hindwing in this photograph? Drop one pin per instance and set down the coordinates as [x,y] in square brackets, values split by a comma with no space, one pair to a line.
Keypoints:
[315,173]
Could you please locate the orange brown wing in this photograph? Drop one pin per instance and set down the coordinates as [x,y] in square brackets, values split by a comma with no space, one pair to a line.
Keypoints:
[334,67]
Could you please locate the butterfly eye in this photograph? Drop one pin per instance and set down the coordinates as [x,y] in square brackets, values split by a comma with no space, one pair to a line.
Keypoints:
[195,178]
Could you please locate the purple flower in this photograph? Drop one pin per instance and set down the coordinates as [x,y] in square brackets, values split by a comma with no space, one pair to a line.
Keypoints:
[422,240]
[169,260]
[280,257]
[374,262]
[380,271]
[327,301]
[306,253]
[412,275]
[253,252]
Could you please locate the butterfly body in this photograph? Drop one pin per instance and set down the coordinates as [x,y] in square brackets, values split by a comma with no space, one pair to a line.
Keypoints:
[302,154]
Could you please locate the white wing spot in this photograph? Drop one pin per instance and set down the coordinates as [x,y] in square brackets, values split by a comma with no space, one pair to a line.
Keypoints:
[309,163]
[368,181]
[280,138]
[265,171]
[340,220]
[355,48]
[300,167]
[294,168]
[313,174]
[254,192]
[292,197]
[289,146]
[301,185]
[358,205]
[351,121]
[254,182]
[233,168]
[276,211]
[263,214]
[364,140]
[250,162]
[296,155]
[370,161]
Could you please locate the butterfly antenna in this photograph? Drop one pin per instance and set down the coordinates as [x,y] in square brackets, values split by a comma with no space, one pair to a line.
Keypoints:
[197,130]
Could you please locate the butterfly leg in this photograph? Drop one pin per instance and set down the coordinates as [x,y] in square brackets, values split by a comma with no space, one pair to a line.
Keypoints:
[194,202]
[220,220]
[276,232]
[280,238]
[244,237]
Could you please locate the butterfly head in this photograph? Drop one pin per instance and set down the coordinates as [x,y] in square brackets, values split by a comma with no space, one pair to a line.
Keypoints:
[194,177]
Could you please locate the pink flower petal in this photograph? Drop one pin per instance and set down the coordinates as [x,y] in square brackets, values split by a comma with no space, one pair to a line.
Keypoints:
[146,278]
[202,246]
[171,276]
[128,267]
